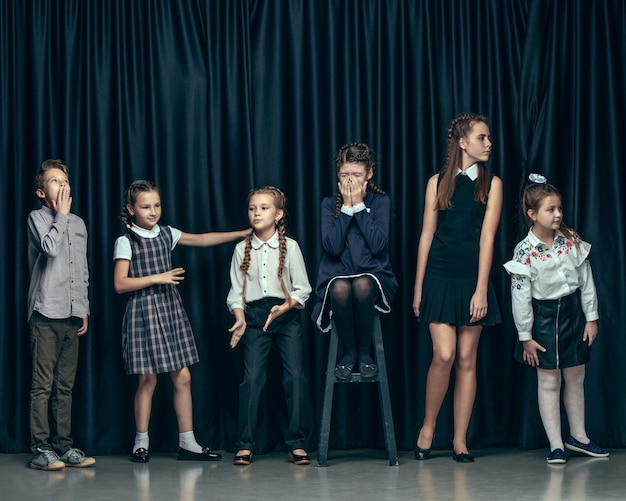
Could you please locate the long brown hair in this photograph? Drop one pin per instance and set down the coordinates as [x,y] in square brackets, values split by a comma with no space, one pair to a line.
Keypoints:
[359,153]
[460,127]
[280,202]
[533,195]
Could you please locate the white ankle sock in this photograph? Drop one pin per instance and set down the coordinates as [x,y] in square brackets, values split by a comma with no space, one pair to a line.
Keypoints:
[187,440]
[141,441]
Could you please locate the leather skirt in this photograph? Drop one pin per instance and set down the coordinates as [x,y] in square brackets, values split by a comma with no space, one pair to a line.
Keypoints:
[558,326]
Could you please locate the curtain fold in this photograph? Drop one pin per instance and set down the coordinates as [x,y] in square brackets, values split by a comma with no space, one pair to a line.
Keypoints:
[210,99]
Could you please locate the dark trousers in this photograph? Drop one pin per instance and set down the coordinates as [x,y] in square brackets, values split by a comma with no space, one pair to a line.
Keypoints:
[286,332]
[54,351]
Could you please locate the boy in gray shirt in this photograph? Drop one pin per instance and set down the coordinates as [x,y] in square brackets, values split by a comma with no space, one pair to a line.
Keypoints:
[58,313]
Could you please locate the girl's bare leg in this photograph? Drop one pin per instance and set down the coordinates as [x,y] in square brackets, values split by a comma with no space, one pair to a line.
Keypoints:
[444,352]
[465,384]
[143,401]
[183,406]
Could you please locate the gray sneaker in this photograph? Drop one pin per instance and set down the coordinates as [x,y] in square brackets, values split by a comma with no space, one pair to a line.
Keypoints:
[76,457]
[45,459]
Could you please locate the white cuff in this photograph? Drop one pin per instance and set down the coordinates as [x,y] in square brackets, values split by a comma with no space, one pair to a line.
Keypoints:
[350,211]
[359,207]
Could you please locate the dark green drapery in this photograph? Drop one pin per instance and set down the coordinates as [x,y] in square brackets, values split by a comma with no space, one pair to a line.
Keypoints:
[211,98]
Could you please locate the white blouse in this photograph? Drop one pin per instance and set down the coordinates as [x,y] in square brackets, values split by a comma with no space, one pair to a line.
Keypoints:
[262,276]
[541,271]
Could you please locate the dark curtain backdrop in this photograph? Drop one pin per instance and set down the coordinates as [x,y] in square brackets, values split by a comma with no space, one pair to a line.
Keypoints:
[212,98]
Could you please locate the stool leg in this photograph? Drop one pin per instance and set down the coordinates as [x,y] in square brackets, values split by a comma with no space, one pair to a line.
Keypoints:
[383,392]
[322,455]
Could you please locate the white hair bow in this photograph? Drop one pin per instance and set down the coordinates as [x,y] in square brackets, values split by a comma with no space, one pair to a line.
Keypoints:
[537,178]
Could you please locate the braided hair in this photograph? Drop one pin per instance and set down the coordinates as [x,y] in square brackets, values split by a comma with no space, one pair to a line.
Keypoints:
[532,196]
[459,128]
[280,202]
[359,153]
[130,197]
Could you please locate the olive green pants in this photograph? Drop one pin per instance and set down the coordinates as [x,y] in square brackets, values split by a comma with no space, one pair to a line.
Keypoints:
[54,350]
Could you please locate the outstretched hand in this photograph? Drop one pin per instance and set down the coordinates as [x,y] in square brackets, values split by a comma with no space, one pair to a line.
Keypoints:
[276,311]
[172,277]
[237,330]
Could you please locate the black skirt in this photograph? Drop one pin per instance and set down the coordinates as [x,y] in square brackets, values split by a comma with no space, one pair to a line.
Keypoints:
[448,301]
[558,326]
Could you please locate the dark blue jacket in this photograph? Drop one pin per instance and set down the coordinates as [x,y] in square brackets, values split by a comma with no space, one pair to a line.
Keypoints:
[356,244]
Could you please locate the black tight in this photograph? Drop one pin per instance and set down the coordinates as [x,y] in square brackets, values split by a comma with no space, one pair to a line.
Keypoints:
[352,303]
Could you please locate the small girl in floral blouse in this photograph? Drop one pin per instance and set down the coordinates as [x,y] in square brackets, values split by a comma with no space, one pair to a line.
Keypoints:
[555,309]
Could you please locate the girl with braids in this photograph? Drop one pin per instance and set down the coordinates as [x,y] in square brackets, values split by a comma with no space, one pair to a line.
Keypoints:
[453,293]
[156,334]
[355,276]
[269,284]
[555,309]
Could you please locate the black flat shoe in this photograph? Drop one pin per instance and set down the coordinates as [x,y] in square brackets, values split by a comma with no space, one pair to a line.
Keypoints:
[243,459]
[141,455]
[368,371]
[205,455]
[344,372]
[421,454]
[463,457]
[299,458]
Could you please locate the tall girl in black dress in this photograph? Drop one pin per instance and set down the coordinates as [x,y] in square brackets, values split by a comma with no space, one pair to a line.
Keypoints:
[453,293]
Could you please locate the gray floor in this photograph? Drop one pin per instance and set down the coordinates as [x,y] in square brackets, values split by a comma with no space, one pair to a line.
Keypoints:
[363,474]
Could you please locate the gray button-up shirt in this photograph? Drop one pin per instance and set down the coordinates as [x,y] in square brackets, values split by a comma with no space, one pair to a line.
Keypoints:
[57,260]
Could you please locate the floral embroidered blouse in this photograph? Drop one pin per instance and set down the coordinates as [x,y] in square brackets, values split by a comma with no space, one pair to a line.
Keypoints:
[541,271]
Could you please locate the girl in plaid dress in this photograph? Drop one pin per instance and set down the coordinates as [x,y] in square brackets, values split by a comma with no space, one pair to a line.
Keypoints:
[156,334]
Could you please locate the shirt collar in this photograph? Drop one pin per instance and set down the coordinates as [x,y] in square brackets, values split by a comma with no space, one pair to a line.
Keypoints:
[471,172]
[536,241]
[257,243]
[142,232]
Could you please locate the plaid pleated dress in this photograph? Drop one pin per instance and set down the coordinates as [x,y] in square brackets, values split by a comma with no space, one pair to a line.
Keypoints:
[156,333]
